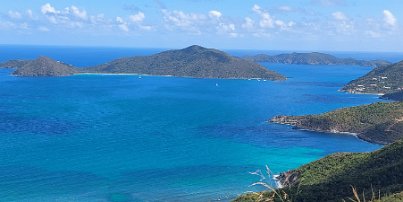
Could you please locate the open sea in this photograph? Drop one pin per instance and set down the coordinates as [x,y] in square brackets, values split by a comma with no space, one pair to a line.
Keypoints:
[124,138]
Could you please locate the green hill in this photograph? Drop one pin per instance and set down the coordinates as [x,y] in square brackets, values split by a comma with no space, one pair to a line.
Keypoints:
[42,66]
[381,80]
[194,61]
[331,178]
[380,123]
[314,58]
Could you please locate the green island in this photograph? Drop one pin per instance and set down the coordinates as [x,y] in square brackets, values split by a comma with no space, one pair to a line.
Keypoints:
[42,66]
[314,58]
[376,175]
[194,61]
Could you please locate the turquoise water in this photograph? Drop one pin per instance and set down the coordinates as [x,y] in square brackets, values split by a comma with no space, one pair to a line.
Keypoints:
[125,138]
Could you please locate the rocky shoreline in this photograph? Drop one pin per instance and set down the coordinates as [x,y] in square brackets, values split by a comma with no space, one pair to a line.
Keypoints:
[379,123]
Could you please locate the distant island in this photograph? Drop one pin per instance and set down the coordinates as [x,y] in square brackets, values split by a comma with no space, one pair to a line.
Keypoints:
[377,175]
[380,123]
[194,61]
[381,80]
[314,58]
[42,66]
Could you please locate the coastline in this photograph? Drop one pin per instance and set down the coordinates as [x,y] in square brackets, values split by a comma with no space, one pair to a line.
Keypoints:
[189,77]
[360,93]
[357,135]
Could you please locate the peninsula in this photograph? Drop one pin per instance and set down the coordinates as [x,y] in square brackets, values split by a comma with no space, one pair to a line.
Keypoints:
[194,61]
[381,80]
[314,58]
[380,123]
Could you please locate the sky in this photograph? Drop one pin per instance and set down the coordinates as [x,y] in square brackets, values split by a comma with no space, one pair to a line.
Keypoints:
[314,25]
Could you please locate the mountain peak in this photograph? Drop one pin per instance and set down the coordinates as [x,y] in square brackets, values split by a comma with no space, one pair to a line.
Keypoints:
[195,48]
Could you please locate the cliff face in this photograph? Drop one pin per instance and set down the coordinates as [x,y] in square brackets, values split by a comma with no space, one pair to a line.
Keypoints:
[314,58]
[194,61]
[380,123]
[381,80]
[43,66]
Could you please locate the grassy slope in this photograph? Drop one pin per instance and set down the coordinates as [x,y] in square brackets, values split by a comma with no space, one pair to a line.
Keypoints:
[330,178]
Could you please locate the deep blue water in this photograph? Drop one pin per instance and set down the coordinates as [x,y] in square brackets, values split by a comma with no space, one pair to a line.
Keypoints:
[125,138]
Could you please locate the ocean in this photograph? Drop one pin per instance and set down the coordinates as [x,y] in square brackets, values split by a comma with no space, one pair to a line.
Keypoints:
[129,138]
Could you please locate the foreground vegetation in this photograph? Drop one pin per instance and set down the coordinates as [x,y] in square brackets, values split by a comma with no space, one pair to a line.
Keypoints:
[332,178]
[380,123]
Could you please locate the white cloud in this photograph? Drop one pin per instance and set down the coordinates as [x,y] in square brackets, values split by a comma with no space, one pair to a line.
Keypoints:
[215,14]
[339,16]
[14,14]
[342,24]
[48,9]
[198,23]
[76,12]
[389,18]
[30,14]
[227,28]
[285,8]
[329,2]
[75,17]
[266,21]
[190,22]
[43,29]
[138,17]
[181,19]
[249,24]
[373,34]
[122,24]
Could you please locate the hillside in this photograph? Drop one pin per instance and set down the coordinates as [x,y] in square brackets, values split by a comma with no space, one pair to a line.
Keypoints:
[381,80]
[314,58]
[194,61]
[14,63]
[331,178]
[380,123]
[398,96]
[42,66]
